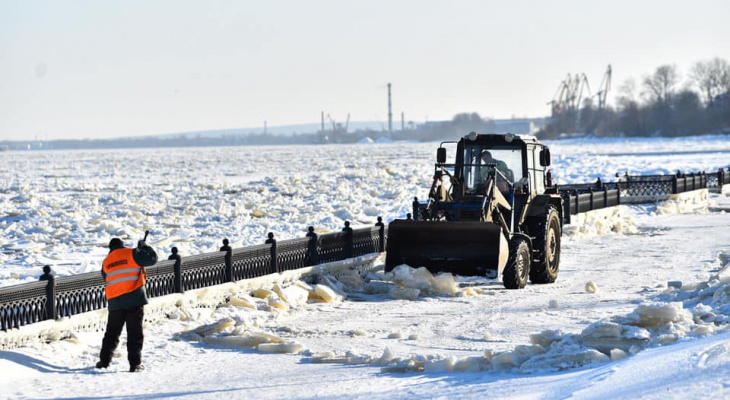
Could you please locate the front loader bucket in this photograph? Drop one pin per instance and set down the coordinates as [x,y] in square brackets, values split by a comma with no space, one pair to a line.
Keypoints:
[459,247]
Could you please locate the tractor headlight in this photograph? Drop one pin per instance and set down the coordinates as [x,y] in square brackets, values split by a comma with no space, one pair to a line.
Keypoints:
[509,137]
[472,136]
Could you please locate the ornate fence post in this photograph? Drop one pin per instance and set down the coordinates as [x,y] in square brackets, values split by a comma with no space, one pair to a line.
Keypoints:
[349,246]
[720,179]
[274,254]
[381,233]
[312,255]
[51,297]
[228,260]
[675,180]
[177,268]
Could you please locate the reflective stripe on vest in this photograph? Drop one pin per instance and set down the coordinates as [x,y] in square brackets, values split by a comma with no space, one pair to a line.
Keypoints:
[123,275]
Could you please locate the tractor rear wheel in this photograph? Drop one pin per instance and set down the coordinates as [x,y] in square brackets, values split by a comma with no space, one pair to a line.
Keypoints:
[547,248]
[517,270]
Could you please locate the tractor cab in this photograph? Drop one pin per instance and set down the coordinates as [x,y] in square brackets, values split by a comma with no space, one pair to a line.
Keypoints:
[516,165]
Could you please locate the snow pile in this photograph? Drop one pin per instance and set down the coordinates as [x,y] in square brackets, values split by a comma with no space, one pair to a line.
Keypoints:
[412,282]
[559,356]
[607,221]
[228,333]
[237,322]
[708,301]
[683,203]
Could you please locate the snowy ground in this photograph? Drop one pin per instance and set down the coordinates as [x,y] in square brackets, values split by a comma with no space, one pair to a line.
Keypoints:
[675,339]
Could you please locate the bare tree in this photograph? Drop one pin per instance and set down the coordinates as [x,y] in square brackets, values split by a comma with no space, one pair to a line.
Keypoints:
[711,77]
[627,93]
[660,85]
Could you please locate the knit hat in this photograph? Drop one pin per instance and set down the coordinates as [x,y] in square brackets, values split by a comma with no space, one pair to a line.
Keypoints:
[115,243]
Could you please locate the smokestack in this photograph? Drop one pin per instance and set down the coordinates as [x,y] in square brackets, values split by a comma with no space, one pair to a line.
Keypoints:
[390,112]
[322,121]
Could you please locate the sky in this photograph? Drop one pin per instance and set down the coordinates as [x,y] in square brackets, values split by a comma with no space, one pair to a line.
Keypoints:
[89,69]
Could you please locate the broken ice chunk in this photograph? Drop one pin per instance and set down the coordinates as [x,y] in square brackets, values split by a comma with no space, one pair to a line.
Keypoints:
[262,293]
[618,354]
[244,302]
[445,364]
[656,314]
[604,336]
[284,347]
[326,293]
[513,359]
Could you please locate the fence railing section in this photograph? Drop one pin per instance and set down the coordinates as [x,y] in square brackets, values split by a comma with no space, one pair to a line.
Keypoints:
[580,198]
[70,295]
[718,180]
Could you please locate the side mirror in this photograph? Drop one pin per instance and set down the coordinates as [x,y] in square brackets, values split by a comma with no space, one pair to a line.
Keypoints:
[441,155]
[545,157]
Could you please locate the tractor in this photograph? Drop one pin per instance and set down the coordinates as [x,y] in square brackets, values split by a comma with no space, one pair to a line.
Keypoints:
[493,211]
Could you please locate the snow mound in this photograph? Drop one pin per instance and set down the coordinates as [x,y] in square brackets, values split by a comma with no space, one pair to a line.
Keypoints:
[684,203]
[423,281]
[607,221]
[562,356]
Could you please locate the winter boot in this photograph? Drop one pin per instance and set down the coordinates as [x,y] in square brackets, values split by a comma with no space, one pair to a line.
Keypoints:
[136,368]
[102,364]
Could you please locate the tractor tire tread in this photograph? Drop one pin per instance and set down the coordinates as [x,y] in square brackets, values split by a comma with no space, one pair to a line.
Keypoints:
[510,276]
[540,273]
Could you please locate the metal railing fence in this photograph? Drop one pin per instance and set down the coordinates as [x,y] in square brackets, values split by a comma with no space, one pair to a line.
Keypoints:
[65,296]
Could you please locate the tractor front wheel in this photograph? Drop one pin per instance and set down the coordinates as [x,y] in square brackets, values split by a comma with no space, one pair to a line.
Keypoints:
[517,269]
[547,247]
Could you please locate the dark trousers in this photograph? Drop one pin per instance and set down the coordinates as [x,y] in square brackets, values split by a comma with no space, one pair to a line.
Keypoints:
[133,317]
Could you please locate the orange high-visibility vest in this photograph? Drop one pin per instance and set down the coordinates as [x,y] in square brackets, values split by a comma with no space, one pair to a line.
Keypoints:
[123,275]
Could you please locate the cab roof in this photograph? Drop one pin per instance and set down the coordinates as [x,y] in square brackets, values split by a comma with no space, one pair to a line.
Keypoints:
[500,138]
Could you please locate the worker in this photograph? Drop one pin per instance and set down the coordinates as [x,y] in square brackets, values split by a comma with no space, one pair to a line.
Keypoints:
[125,278]
[502,167]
